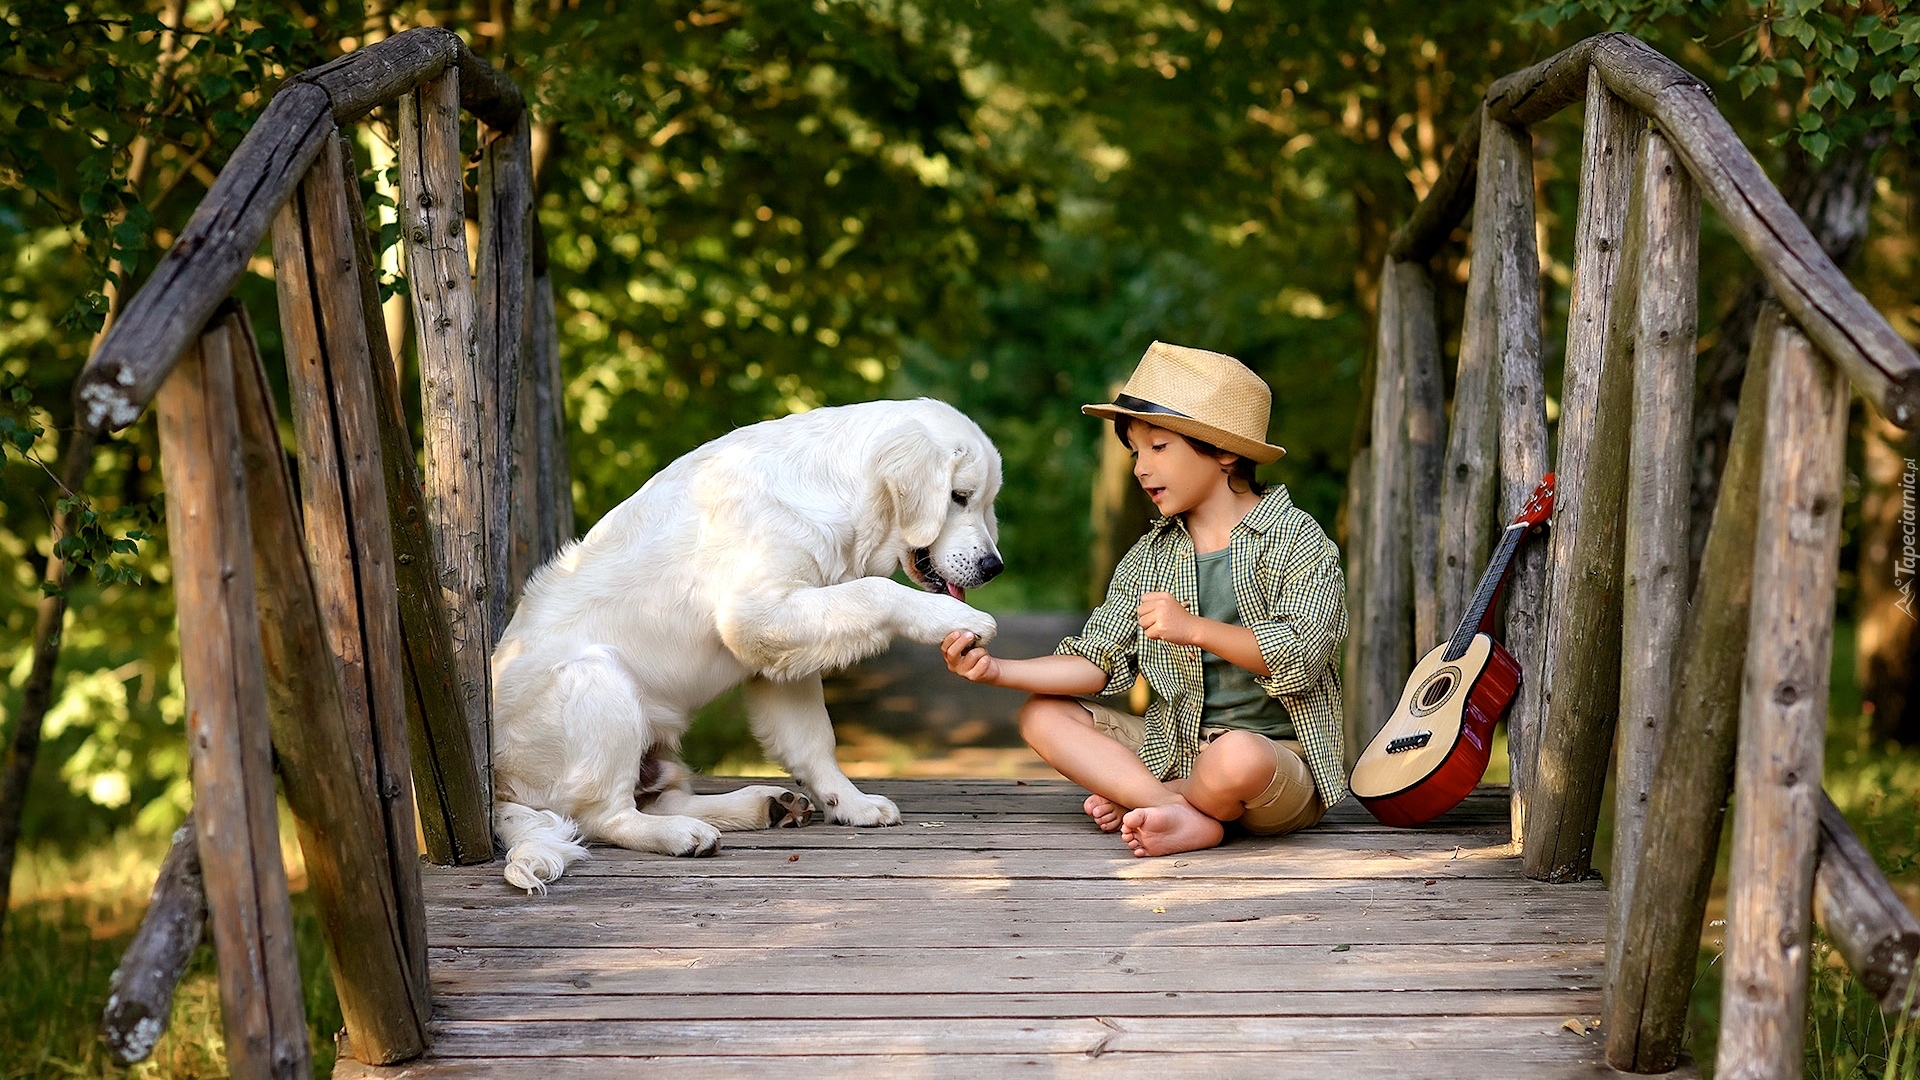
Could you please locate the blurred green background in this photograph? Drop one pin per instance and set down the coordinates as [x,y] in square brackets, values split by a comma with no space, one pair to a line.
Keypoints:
[758,208]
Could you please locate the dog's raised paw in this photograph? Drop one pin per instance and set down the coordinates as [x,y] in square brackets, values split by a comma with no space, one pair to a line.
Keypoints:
[789,810]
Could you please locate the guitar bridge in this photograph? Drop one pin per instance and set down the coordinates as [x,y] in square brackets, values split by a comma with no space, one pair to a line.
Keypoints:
[1409,742]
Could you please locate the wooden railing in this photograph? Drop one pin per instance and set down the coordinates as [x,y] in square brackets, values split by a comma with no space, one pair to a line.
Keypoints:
[1601,619]
[344,633]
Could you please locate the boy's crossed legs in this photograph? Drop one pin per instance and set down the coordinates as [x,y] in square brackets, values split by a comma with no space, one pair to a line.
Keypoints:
[1238,775]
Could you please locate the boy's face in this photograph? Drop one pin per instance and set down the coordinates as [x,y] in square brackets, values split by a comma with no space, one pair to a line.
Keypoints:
[1174,475]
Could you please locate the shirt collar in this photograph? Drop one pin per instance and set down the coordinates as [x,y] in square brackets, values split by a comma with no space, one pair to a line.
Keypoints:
[1273,505]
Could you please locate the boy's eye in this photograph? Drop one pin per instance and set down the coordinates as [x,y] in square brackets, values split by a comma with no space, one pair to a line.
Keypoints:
[960,498]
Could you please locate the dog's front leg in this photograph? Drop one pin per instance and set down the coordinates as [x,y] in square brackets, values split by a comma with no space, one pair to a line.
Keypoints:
[790,720]
[796,632]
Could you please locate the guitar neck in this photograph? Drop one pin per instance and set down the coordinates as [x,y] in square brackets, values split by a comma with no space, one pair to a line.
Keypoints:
[1480,612]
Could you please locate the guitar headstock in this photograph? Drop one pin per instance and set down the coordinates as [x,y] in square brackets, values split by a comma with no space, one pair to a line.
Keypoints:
[1539,505]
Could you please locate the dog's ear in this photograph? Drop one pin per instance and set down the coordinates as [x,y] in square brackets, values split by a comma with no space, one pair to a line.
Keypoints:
[916,475]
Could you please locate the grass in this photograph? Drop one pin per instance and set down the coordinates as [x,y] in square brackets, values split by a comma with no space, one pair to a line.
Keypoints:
[72,917]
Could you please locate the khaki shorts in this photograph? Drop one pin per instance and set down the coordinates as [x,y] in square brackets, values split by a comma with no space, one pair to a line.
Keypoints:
[1290,803]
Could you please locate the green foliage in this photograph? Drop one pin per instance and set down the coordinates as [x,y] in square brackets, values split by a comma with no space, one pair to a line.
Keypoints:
[72,920]
[1821,59]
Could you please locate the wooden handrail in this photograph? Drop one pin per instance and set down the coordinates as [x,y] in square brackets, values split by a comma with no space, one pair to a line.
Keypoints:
[205,263]
[1819,297]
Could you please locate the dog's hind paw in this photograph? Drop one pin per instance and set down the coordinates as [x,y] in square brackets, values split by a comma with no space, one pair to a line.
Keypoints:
[789,810]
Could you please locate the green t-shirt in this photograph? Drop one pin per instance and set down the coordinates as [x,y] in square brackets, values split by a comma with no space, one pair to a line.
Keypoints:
[1233,699]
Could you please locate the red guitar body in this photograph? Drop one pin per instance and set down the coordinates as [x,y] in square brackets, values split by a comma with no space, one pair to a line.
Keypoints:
[1465,762]
[1434,749]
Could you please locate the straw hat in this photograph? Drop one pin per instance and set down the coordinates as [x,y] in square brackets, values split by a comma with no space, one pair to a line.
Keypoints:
[1208,395]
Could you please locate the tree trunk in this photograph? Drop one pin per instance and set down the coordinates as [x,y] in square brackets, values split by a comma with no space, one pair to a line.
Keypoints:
[1888,647]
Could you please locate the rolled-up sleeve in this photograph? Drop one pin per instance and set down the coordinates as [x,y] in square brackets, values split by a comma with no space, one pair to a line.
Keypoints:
[1111,633]
[1307,615]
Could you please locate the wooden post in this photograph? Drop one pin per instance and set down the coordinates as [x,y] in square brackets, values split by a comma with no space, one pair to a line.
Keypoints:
[1504,220]
[1385,619]
[348,538]
[1426,444]
[1467,489]
[1353,661]
[1654,605]
[453,385]
[140,993]
[1607,161]
[550,415]
[504,274]
[454,815]
[336,809]
[1783,718]
[234,818]
[1859,910]
[1650,976]
[1578,734]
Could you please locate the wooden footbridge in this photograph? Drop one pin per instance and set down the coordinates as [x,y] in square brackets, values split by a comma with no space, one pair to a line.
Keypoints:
[997,932]
[342,636]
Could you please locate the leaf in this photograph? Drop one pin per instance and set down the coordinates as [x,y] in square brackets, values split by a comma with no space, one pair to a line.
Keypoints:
[1820,95]
[1846,93]
[1882,38]
[1846,57]
[1816,143]
[30,118]
[1883,84]
[1341,948]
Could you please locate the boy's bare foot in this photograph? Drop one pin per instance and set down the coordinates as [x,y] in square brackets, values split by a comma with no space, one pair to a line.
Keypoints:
[1105,812]
[1168,829]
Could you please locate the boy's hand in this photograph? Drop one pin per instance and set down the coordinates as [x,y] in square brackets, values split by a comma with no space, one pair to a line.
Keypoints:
[967,658]
[1163,619]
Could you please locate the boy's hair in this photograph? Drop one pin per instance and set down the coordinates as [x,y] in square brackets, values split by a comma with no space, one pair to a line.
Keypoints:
[1240,472]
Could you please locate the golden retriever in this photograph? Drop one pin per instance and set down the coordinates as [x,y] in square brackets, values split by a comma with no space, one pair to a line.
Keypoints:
[762,557]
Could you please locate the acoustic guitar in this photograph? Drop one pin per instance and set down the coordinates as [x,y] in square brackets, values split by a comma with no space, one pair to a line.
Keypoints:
[1435,748]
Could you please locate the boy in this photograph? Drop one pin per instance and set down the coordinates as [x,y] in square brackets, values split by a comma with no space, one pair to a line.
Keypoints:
[1231,606]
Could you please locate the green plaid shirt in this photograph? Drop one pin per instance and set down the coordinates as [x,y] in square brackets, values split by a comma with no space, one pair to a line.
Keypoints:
[1295,602]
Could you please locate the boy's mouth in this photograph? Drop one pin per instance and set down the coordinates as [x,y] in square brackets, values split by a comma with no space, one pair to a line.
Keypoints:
[1154,493]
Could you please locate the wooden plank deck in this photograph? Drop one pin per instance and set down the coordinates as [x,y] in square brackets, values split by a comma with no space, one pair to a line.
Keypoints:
[996,932]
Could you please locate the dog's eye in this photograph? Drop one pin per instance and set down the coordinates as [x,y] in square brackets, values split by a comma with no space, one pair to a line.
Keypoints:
[960,498]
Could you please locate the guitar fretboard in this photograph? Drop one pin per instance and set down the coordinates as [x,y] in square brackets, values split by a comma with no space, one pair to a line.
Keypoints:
[1483,596]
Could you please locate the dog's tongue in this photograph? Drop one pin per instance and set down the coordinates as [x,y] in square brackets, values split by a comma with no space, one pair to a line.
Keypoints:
[956,591]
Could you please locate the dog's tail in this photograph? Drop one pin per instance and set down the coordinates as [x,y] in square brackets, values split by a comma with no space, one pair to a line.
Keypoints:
[540,845]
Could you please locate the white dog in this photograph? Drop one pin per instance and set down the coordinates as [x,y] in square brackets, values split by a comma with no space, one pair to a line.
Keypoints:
[762,556]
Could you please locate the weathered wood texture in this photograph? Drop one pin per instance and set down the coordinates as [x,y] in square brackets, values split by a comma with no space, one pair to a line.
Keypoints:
[1608,155]
[998,931]
[365,79]
[1385,621]
[163,318]
[335,810]
[453,386]
[349,544]
[232,757]
[454,815]
[542,482]
[1506,208]
[1859,910]
[1845,326]
[1470,485]
[1353,660]
[556,472]
[1654,604]
[1783,717]
[140,993]
[1577,736]
[1651,971]
[1426,443]
[503,276]
[1841,321]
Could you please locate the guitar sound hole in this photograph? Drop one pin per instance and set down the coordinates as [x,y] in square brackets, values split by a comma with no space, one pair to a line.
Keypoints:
[1437,692]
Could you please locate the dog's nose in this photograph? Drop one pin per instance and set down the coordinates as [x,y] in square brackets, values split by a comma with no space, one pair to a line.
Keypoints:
[989,567]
